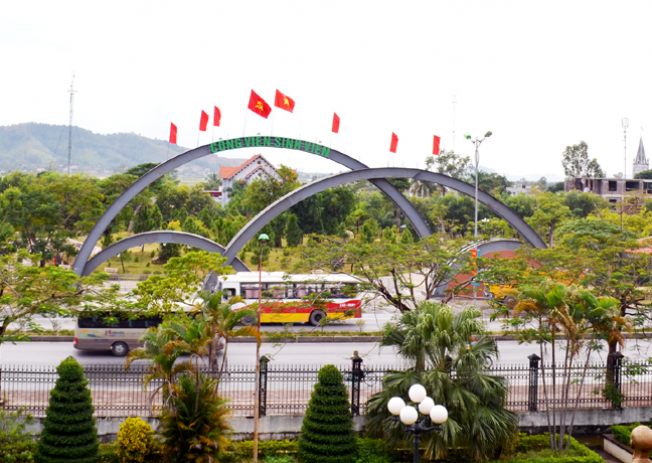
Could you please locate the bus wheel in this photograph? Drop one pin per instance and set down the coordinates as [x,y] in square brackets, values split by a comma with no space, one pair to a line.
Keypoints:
[316,316]
[119,349]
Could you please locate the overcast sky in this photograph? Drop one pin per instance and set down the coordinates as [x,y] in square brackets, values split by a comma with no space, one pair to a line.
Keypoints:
[540,74]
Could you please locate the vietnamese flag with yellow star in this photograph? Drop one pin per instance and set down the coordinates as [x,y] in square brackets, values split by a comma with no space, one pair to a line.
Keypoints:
[258,105]
[283,101]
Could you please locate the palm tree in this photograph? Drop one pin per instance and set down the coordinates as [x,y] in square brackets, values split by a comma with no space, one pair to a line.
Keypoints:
[449,354]
[223,322]
[163,346]
[195,427]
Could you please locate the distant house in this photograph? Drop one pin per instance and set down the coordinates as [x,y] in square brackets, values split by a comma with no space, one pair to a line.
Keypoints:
[254,168]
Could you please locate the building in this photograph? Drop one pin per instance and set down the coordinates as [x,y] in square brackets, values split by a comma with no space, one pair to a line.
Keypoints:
[616,189]
[254,168]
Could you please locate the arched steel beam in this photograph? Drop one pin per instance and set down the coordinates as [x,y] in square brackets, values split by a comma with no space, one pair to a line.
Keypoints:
[281,205]
[420,226]
[166,236]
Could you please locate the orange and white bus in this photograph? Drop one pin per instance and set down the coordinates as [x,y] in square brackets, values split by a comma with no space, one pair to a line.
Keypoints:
[296,298]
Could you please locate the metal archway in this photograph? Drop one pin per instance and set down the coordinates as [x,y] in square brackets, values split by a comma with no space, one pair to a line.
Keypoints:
[250,230]
[167,236]
[420,226]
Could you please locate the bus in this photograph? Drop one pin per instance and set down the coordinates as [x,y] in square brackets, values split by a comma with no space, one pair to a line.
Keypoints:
[296,298]
[104,331]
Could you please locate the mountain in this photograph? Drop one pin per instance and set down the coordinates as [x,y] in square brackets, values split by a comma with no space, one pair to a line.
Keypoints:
[33,147]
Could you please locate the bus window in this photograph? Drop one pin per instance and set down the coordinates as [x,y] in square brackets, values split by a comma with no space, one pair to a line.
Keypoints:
[228,293]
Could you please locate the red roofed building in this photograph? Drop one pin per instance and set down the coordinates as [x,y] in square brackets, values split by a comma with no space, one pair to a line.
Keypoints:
[254,168]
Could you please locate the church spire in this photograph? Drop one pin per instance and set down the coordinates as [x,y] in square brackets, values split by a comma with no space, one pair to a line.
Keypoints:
[641,162]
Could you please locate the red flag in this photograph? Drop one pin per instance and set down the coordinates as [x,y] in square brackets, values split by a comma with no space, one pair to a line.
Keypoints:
[173,133]
[217,116]
[203,121]
[336,123]
[258,105]
[283,101]
[394,144]
[435,144]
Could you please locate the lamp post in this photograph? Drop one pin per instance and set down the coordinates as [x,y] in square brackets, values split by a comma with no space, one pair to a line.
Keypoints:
[263,238]
[420,416]
[476,142]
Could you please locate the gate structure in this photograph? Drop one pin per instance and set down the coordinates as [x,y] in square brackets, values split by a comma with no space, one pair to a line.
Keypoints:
[84,266]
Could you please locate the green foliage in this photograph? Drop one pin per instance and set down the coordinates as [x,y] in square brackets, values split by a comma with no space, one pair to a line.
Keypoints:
[536,449]
[623,432]
[194,428]
[16,445]
[69,434]
[576,163]
[135,440]
[239,451]
[108,453]
[327,430]
[435,341]
[372,451]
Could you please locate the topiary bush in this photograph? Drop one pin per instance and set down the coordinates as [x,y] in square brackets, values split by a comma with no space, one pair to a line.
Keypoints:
[135,440]
[327,430]
[69,434]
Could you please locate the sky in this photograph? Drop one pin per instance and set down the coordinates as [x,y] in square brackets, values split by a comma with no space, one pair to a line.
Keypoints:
[541,75]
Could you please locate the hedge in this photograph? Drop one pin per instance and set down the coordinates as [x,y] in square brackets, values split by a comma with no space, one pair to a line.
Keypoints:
[527,447]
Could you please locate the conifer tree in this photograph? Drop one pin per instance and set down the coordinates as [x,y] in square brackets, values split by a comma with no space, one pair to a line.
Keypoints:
[69,434]
[327,431]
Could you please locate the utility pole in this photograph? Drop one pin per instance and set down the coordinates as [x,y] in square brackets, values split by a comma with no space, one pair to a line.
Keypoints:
[72,92]
[624,122]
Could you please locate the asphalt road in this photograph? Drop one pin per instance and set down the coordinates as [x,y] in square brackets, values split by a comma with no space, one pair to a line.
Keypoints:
[510,352]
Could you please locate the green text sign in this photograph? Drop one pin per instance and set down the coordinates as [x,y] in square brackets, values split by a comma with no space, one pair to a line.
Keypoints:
[271,142]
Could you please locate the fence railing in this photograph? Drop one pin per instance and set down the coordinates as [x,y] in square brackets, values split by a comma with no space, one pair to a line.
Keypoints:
[286,389]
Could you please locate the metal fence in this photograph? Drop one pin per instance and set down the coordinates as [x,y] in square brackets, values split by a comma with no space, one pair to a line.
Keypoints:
[286,389]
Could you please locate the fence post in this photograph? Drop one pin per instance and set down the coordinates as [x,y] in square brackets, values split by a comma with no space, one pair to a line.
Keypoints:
[615,371]
[262,391]
[356,378]
[533,385]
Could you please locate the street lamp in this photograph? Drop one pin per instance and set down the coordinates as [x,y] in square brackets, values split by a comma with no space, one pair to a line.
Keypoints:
[263,238]
[420,416]
[476,142]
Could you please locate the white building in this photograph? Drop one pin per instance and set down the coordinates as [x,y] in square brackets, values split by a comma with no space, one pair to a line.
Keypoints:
[256,167]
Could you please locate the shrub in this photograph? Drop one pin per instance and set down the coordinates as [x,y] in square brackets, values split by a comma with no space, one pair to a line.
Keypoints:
[623,432]
[194,427]
[372,451]
[16,445]
[536,449]
[69,434]
[135,440]
[327,430]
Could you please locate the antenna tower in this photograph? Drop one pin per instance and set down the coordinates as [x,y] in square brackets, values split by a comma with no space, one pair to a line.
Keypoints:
[72,92]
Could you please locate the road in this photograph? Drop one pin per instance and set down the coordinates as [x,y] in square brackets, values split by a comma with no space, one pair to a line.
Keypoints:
[511,352]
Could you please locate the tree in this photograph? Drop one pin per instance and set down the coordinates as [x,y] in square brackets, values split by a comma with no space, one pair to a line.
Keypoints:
[69,434]
[27,290]
[553,314]
[576,163]
[646,174]
[454,165]
[401,272]
[194,427]
[550,212]
[582,204]
[435,341]
[293,233]
[327,429]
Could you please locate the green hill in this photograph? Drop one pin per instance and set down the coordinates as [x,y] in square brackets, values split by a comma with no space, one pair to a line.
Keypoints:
[33,147]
